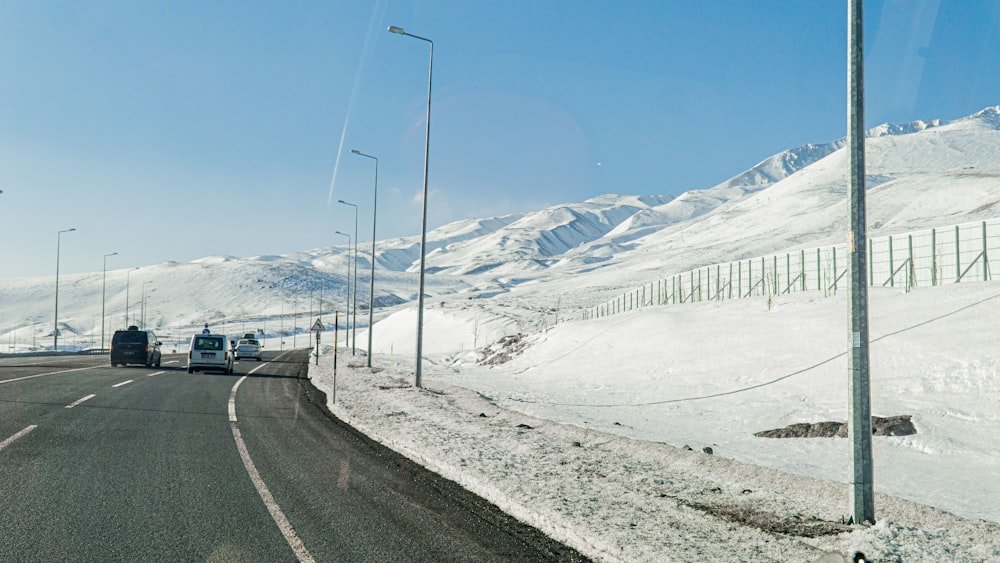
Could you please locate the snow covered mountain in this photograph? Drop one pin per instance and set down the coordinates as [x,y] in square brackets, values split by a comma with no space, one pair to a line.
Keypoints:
[921,174]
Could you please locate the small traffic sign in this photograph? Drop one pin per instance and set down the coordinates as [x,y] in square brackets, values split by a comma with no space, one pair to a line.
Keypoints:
[318,326]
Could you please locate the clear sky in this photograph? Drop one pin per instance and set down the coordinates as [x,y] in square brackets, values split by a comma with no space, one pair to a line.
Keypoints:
[173,130]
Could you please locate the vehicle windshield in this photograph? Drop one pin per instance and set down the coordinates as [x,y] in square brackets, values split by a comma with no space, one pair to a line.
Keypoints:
[206,343]
[554,252]
[130,337]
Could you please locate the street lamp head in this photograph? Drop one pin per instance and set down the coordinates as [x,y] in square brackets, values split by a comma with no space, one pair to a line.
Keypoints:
[355,151]
[394,29]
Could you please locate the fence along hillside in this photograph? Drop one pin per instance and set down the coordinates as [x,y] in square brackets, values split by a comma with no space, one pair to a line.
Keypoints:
[919,259]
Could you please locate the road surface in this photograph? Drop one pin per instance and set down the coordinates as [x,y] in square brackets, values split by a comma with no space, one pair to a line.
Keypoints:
[154,464]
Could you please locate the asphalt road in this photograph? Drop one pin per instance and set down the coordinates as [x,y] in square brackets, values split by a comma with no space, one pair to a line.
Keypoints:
[154,464]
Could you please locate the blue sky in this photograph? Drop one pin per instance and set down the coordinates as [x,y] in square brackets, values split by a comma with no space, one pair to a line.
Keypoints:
[173,130]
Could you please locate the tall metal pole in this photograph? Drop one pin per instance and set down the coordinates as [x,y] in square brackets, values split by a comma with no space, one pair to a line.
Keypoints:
[142,316]
[860,420]
[354,323]
[348,296]
[423,221]
[55,333]
[128,286]
[104,293]
[371,290]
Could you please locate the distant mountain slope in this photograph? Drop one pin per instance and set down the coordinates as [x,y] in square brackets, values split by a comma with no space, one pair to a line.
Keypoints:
[531,241]
[921,174]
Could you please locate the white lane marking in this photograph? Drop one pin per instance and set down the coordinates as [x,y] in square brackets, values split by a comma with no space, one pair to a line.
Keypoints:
[155,373]
[123,383]
[293,539]
[232,394]
[87,398]
[44,374]
[232,400]
[173,362]
[20,434]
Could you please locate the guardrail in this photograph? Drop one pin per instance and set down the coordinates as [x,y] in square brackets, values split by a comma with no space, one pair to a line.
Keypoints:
[93,352]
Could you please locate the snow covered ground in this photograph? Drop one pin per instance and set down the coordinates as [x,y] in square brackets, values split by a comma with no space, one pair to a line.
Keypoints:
[608,406]
[612,401]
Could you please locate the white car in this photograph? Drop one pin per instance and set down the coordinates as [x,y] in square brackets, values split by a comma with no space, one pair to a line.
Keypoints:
[210,352]
[248,349]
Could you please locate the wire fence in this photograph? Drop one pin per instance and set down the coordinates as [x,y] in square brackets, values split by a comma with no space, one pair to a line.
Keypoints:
[924,258]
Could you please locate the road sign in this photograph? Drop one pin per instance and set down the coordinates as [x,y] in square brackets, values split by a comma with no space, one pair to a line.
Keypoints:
[318,326]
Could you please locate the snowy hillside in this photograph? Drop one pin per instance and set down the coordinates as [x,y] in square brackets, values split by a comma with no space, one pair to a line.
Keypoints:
[505,296]
[921,174]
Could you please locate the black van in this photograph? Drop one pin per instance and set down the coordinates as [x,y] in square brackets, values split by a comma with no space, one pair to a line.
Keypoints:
[134,346]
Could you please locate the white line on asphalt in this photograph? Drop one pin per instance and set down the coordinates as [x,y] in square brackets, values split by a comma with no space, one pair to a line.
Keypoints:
[232,400]
[10,440]
[123,383]
[293,539]
[232,394]
[172,362]
[87,398]
[44,374]
[155,373]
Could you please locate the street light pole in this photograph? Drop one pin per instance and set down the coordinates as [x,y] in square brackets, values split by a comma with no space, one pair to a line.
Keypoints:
[859,411]
[354,323]
[371,290]
[347,298]
[55,333]
[128,286]
[104,293]
[142,315]
[423,228]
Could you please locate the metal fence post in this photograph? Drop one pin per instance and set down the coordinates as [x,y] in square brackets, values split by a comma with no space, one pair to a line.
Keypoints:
[718,282]
[739,279]
[774,282]
[788,272]
[910,277]
[730,284]
[802,270]
[986,269]
[835,277]
[934,278]
[958,258]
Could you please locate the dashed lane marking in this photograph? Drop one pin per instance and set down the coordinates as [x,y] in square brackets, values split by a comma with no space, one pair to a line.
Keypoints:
[49,373]
[75,403]
[20,434]
[126,382]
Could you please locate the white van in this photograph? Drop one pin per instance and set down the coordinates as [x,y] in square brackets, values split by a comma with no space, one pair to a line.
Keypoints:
[210,352]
